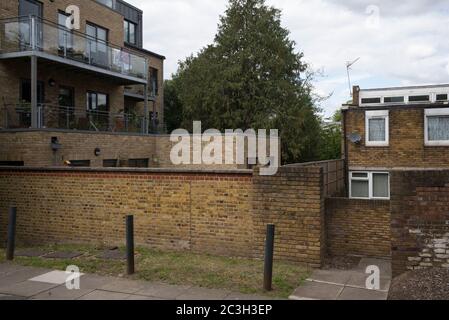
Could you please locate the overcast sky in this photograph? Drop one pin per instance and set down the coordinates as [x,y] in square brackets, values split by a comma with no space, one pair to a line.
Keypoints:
[398,42]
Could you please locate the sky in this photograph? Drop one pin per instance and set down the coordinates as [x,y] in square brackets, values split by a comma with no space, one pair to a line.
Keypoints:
[398,42]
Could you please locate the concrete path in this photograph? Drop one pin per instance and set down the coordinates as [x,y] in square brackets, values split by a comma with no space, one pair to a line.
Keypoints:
[346,284]
[27,283]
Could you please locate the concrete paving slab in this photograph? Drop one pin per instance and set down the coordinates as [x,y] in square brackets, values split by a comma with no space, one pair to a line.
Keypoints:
[123,285]
[7,268]
[338,277]
[196,293]
[135,297]
[248,297]
[54,277]
[91,281]
[104,295]
[63,255]
[317,291]
[4,297]
[358,280]
[21,274]
[30,253]
[383,264]
[362,294]
[61,293]
[163,291]
[26,288]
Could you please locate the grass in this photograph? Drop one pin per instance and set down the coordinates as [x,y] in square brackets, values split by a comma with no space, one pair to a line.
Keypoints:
[181,268]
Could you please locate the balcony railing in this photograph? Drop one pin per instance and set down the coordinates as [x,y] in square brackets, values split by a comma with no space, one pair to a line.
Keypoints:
[18,116]
[24,34]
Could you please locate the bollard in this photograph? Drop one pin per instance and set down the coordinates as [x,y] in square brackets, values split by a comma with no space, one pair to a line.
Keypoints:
[269,254]
[11,234]
[130,244]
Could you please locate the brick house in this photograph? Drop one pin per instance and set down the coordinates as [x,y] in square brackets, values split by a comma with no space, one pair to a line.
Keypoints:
[96,78]
[394,128]
[396,150]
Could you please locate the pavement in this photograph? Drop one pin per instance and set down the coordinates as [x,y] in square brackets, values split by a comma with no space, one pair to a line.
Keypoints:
[346,284]
[28,283]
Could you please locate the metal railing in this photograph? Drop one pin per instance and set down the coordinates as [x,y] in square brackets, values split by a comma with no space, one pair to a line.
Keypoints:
[32,33]
[18,116]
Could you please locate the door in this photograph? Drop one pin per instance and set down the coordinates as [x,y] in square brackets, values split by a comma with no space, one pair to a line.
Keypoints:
[97,45]
[66,101]
[24,107]
[30,8]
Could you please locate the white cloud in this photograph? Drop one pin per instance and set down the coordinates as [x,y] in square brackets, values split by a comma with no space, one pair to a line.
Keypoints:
[409,46]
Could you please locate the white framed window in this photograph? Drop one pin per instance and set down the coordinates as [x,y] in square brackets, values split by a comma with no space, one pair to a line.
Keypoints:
[369,185]
[436,127]
[377,129]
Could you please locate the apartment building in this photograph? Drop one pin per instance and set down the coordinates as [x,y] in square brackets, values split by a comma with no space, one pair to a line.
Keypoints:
[391,129]
[97,77]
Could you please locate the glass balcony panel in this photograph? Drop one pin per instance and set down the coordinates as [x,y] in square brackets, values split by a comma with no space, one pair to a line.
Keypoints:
[22,34]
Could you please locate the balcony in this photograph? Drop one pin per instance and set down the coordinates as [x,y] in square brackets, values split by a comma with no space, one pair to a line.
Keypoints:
[18,116]
[32,36]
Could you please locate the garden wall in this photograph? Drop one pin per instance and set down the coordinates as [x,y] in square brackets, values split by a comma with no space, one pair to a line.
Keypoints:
[216,212]
[420,219]
[358,227]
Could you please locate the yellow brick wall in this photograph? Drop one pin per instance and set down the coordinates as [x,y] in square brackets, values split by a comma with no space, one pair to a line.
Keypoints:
[406,148]
[209,212]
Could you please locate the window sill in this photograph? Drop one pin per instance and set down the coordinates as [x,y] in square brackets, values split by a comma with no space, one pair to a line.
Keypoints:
[437,144]
[378,145]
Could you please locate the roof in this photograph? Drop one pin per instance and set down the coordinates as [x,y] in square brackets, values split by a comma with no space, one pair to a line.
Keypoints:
[145,51]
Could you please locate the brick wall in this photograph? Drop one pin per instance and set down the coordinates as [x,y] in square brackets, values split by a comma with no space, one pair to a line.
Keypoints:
[214,212]
[406,148]
[358,227]
[420,219]
[293,200]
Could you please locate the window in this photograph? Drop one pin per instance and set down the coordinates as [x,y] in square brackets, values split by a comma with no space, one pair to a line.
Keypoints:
[110,163]
[419,98]
[108,3]
[79,163]
[154,86]
[436,127]
[441,97]
[369,185]
[97,101]
[65,36]
[138,163]
[130,32]
[97,48]
[370,100]
[393,99]
[377,128]
[12,163]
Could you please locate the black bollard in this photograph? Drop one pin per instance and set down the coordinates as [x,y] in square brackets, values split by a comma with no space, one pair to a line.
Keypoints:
[11,234]
[130,244]
[269,255]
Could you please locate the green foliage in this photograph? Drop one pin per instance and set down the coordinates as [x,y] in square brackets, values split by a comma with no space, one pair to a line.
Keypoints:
[172,106]
[331,138]
[250,77]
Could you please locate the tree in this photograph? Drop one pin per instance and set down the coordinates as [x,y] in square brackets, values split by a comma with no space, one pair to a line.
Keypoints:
[251,77]
[172,106]
[331,137]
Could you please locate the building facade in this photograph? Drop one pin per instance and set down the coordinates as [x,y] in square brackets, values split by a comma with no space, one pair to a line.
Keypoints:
[93,74]
[394,129]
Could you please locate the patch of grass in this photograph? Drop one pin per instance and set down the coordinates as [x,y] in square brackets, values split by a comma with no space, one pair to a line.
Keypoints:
[180,268]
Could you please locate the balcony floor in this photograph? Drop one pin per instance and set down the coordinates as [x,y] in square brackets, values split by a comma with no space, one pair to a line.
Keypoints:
[73,65]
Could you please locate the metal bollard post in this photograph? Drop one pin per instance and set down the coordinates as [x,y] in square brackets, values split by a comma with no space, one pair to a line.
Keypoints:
[130,244]
[11,234]
[269,254]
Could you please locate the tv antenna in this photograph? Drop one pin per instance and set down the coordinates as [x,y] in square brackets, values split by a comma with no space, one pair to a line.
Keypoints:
[349,64]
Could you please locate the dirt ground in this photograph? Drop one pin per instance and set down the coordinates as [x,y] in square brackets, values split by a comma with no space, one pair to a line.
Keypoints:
[426,284]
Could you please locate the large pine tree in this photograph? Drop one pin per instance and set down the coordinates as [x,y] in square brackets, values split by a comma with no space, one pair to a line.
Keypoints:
[251,77]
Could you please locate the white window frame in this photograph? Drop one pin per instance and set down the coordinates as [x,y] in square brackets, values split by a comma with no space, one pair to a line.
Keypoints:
[370,184]
[434,113]
[384,114]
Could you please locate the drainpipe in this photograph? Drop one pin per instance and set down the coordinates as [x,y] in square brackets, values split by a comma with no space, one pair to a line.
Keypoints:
[145,96]
[345,151]
[35,123]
